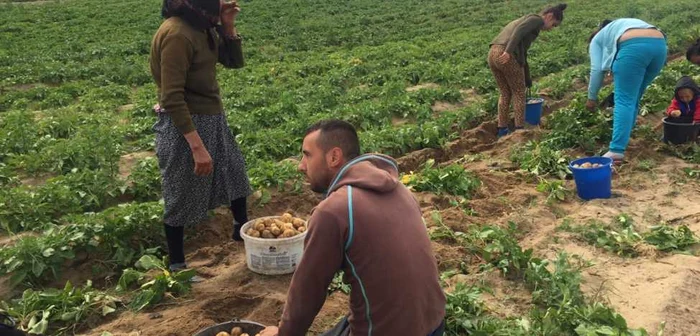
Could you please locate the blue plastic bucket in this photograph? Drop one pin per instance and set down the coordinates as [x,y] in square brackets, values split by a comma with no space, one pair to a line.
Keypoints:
[592,183]
[533,110]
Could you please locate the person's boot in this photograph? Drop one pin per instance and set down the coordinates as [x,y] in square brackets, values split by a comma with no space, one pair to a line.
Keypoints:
[502,131]
[237,231]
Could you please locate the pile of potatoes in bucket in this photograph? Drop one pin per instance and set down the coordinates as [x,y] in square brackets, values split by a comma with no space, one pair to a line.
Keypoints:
[588,165]
[285,226]
[236,331]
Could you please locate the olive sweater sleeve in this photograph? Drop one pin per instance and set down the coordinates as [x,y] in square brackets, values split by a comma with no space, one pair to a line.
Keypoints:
[176,55]
[231,53]
[525,27]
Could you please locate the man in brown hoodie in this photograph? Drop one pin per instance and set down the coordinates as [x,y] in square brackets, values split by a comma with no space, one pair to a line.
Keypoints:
[370,227]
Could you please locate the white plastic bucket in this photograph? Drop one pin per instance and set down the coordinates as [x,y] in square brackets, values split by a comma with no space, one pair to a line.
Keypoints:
[272,256]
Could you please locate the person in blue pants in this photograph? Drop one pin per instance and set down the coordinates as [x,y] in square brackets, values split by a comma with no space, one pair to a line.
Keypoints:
[635,52]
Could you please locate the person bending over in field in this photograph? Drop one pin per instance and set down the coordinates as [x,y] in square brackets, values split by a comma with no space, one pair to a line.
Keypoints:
[369,226]
[508,62]
[693,53]
[685,105]
[635,52]
[200,163]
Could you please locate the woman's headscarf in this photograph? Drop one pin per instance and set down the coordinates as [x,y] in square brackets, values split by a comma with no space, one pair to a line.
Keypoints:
[200,14]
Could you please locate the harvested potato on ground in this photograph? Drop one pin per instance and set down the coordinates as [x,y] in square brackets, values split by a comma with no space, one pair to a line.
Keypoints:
[297,222]
[236,331]
[267,234]
[223,333]
[302,229]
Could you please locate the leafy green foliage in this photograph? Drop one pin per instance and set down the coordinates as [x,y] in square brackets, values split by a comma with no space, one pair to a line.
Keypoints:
[23,208]
[575,127]
[55,311]
[538,158]
[153,289]
[116,236]
[452,179]
[338,284]
[667,238]
[555,190]
[145,180]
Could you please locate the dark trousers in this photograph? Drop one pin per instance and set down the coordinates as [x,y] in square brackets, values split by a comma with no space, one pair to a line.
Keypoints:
[343,329]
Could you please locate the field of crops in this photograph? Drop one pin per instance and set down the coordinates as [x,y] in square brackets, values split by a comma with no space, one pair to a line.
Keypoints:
[81,240]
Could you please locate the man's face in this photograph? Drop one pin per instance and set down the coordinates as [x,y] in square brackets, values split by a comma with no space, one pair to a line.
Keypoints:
[695,59]
[315,163]
[685,95]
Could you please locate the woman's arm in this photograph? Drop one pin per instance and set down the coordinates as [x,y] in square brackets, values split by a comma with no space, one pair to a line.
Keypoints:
[597,74]
[230,50]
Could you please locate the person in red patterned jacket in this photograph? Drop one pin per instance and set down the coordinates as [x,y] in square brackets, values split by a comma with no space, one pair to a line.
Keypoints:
[685,106]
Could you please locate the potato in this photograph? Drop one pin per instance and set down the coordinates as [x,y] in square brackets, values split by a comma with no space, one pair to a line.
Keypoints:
[259,226]
[276,231]
[288,234]
[301,229]
[236,331]
[576,166]
[254,233]
[223,333]
[597,165]
[297,222]
[287,226]
[267,234]
[245,335]
[287,217]
[586,165]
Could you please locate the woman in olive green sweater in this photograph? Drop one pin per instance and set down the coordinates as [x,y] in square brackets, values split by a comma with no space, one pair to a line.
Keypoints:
[508,61]
[200,163]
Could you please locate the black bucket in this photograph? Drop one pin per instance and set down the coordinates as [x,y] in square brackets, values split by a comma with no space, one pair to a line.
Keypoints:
[677,133]
[249,327]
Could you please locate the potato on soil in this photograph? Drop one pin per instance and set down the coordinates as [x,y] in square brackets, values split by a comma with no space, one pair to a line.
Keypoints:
[236,331]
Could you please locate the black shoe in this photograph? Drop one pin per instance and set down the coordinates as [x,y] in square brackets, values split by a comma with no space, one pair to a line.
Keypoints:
[237,232]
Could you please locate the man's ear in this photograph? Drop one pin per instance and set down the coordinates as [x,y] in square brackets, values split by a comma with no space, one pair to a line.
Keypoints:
[335,157]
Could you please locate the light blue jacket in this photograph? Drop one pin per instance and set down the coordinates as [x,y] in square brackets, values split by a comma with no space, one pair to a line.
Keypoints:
[603,49]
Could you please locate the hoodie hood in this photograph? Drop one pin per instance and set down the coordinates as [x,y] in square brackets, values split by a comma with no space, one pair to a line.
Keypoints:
[376,172]
[686,82]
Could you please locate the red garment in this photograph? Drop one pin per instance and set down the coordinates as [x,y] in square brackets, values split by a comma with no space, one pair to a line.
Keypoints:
[683,107]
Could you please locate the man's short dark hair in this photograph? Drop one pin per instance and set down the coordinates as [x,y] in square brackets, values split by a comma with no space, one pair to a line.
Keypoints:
[337,133]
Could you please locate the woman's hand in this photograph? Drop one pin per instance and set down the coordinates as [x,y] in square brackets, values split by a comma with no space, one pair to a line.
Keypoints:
[203,164]
[269,331]
[676,113]
[229,11]
[504,58]
[591,105]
